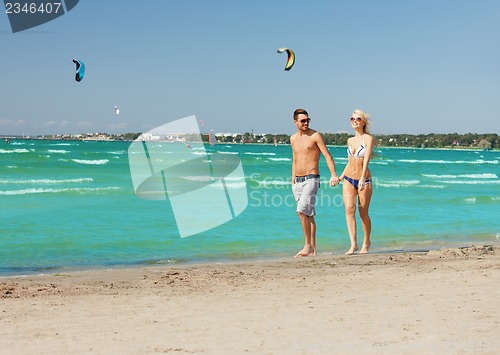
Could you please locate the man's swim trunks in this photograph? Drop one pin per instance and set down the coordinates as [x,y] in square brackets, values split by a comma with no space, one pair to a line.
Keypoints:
[304,190]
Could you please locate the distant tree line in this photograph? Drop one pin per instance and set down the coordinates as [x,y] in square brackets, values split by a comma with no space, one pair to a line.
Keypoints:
[469,140]
[432,140]
[451,140]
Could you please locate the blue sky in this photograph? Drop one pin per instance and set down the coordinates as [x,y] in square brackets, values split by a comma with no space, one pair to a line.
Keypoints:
[416,66]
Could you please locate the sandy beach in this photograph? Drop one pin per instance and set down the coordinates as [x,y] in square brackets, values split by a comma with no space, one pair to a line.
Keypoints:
[442,301]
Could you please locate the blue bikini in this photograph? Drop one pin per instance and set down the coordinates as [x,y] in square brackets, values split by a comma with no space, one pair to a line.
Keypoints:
[359,153]
[355,182]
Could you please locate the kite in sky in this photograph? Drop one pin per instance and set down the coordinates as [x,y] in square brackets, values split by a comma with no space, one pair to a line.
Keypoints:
[291,58]
[80,70]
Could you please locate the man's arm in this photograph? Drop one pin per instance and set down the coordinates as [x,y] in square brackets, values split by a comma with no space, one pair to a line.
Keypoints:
[293,160]
[334,179]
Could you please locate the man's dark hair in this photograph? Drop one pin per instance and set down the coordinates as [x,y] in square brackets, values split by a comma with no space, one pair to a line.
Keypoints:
[299,111]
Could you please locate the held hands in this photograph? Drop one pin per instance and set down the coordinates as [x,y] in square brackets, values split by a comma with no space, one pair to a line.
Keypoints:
[361,184]
[334,180]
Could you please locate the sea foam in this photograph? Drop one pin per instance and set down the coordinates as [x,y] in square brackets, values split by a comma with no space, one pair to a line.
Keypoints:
[45,181]
[91,162]
[14,151]
[461,176]
[56,191]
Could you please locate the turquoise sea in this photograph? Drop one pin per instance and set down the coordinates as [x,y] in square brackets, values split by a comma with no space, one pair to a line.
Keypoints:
[71,205]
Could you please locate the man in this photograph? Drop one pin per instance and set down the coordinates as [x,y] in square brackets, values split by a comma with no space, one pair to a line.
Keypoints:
[306,147]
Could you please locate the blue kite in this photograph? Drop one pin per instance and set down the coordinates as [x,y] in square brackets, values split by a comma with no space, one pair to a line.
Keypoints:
[80,70]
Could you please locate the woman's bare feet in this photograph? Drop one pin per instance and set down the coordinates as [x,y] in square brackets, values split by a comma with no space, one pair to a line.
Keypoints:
[364,248]
[352,249]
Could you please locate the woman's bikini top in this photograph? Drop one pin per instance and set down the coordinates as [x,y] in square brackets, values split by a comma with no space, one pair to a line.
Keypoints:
[360,152]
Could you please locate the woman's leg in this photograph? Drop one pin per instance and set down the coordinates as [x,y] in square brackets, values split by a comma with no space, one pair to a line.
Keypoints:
[364,198]
[349,194]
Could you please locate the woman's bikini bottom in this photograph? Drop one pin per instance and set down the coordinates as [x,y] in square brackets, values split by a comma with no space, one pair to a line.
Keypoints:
[355,182]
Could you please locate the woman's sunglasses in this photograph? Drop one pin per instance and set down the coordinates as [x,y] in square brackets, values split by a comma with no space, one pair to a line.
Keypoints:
[359,119]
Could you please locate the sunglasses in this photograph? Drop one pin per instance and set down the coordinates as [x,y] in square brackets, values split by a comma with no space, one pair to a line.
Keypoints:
[305,120]
[359,119]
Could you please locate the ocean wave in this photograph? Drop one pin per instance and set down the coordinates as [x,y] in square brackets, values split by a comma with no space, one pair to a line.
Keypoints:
[216,185]
[207,178]
[470,182]
[234,178]
[463,176]
[91,162]
[204,178]
[252,153]
[481,199]
[404,182]
[61,151]
[200,152]
[45,181]
[399,183]
[274,182]
[87,190]
[14,151]
[280,159]
[476,162]
[230,185]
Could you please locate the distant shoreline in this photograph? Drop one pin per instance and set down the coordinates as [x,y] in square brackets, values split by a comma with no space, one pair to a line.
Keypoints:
[495,146]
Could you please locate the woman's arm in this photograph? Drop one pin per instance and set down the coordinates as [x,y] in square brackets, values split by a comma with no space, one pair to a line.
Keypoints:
[366,160]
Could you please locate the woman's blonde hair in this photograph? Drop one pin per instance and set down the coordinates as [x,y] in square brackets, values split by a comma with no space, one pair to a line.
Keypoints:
[366,120]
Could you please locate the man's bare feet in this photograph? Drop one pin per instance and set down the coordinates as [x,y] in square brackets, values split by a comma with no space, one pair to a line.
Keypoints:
[307,251]
[352,249]
[364,249]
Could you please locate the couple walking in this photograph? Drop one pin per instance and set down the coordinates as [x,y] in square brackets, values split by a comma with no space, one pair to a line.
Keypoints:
[307,145]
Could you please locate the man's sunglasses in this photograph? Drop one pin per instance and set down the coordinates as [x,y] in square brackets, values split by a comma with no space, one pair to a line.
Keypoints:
[305,120]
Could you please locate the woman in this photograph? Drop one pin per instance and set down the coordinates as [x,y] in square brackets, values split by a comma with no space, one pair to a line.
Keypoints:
[358,180]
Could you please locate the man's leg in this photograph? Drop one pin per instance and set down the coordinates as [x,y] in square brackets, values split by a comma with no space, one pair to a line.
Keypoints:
[313,234]
[306,202]
[309,230]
